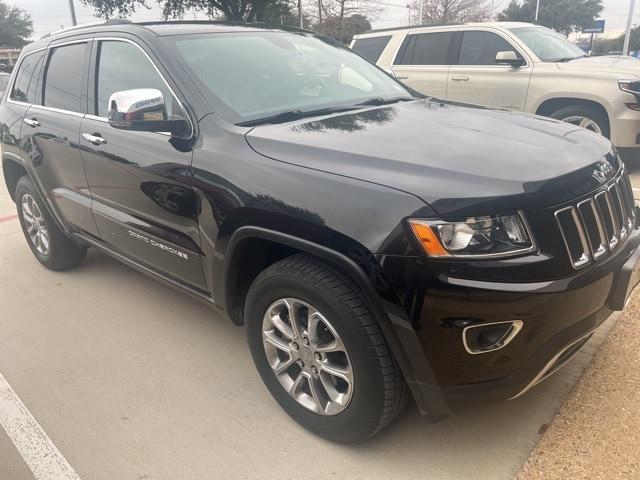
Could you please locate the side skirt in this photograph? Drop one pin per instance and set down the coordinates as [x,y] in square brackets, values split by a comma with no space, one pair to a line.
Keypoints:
[200,295]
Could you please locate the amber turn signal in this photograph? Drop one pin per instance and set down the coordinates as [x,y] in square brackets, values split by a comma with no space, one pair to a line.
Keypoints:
[428,239]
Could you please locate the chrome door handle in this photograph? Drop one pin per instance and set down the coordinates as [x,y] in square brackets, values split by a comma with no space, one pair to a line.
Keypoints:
[95,139]
[460,78]
[32,122]
[402,77]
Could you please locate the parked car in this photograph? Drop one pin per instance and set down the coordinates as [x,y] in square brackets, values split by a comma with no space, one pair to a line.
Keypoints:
[4,81]
[372,242]
[519,67]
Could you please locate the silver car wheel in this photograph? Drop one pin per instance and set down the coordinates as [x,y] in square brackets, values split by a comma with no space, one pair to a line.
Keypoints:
[35,225]
[307,356]
[584,122]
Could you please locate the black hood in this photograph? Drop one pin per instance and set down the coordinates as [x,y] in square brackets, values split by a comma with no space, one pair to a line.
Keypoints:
[461,160]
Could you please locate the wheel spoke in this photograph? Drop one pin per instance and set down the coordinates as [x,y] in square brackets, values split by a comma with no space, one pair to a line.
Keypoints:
[276,320]
[283,365]
[294,317]
[44,240]
[316,392]
[276,341]
[336,371]
[295,386]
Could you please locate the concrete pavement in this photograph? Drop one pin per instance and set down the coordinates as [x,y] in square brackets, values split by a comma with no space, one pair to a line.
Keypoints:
[133,380]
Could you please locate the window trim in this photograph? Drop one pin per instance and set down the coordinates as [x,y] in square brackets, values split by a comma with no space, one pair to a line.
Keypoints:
[14,76]
[527,61]
[45,68]
[93,87]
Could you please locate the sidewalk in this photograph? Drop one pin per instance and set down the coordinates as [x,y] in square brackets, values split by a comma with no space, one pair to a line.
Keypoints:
[596,435]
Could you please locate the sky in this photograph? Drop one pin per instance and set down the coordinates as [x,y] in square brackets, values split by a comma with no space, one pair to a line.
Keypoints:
[50,15]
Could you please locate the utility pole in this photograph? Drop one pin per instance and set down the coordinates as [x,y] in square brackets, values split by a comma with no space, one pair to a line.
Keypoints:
[73,13]
[627,34]
[300,19]
[538,9]
[421,12]
[491,15]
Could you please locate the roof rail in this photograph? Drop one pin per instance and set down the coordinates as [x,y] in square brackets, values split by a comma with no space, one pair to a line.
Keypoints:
[113,21]
[230,23]
[409,27]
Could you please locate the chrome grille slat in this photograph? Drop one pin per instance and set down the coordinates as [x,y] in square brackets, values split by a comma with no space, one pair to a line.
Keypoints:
[594,227]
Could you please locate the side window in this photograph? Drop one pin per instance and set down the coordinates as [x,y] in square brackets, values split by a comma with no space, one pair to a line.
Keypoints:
[118,57]
[371,48]
[425,49]
[27,78]
[480,48]
[63,77]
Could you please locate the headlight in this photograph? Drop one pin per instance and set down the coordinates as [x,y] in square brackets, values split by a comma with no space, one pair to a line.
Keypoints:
[497,235]
[629,86]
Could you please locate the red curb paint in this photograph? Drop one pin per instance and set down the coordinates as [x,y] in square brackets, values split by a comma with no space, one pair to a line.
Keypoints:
[8,219]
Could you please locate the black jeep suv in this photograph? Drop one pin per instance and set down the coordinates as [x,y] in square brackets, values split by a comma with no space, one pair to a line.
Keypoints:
[373,242]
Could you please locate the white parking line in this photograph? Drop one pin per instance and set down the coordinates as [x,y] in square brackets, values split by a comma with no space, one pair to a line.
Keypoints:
[41,456]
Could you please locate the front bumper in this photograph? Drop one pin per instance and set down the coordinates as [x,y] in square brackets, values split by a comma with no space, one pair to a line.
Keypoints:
[558,317]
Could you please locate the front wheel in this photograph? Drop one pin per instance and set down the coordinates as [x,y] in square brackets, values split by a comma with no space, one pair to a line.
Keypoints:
[320,352]
[585,116]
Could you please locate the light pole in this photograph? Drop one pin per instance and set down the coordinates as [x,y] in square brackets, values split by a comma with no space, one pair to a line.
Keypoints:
[537,9]
[300,19]
[421,12]
[73,13]
[627,33]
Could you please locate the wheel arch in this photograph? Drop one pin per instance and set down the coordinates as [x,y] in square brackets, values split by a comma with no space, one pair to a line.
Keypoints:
[550,105]
[13,170]
[403,341]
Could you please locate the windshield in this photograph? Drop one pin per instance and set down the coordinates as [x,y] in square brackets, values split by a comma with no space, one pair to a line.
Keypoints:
[4,81]
[547,44]
[255,75]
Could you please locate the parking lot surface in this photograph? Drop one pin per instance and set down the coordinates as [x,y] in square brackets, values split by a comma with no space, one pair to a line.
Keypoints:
[133,380]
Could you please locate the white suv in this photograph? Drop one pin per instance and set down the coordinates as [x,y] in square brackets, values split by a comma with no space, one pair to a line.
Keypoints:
[515,66]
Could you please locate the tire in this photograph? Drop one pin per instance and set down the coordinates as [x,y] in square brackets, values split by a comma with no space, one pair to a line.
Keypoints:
[377,391]
[57,252]
[573,114]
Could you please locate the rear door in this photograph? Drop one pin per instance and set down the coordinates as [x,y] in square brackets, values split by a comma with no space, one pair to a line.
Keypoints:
[422,62]
[51,133]
[140,182]
[476,78]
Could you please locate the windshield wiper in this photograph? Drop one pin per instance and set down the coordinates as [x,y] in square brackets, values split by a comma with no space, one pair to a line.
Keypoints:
[293,115]
[384,101]
[567,59]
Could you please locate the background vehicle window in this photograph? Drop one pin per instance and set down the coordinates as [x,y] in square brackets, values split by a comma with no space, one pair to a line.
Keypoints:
[114,59]
[425,49]
[63,79]
[27,77]
[371,48]
[480,48]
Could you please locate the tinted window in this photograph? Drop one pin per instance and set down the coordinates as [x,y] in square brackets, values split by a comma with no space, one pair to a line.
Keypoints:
[26,84]
[425,49]
[118,57]
[480,48]
[63,79]
[371,48]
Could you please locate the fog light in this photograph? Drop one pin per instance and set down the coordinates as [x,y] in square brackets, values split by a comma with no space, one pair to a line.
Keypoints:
[489,337]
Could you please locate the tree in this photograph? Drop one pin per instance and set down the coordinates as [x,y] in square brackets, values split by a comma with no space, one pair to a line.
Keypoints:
[16,26]
[344,30]
[234,10]
[615,44]
[564,16]
[446,12]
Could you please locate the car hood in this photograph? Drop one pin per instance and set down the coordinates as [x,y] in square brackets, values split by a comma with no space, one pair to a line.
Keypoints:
[461,160]
[607,64]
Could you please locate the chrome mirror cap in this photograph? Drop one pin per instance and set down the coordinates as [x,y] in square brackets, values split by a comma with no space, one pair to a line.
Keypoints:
[130,106]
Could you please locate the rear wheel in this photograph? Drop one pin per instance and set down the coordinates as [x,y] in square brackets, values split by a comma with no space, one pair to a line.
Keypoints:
[585,116]
[320,352]
[47,242]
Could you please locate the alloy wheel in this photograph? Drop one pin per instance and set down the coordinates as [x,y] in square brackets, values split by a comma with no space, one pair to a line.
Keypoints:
[35,224]
[307,356]
[584,122]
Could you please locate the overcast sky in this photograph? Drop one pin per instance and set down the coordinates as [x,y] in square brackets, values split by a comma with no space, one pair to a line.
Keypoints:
[50,15]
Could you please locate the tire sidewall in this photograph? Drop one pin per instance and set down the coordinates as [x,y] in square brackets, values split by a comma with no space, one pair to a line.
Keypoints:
[367,401]
[24,187]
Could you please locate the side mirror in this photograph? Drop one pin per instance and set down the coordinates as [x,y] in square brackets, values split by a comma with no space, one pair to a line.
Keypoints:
[143,110]
[509,58]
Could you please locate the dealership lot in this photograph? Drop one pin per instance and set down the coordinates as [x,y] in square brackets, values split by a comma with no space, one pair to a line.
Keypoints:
[132,380]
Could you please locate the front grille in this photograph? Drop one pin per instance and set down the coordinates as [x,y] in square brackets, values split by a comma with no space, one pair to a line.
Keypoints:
[593,228]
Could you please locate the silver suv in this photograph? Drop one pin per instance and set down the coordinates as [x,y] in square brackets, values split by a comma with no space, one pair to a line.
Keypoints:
[515,66]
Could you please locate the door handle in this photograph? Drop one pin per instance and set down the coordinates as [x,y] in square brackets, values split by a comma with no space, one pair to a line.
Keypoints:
[460,78]
[96,139]
[402,77]
[32,122]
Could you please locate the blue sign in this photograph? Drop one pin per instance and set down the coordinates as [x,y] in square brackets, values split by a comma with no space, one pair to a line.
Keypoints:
[598,27]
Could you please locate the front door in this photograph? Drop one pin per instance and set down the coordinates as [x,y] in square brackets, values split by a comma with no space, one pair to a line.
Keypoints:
[143,201]
[477,79]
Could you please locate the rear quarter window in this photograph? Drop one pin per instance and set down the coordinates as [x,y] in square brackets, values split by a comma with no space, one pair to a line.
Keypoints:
[27,78]
[371,48]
